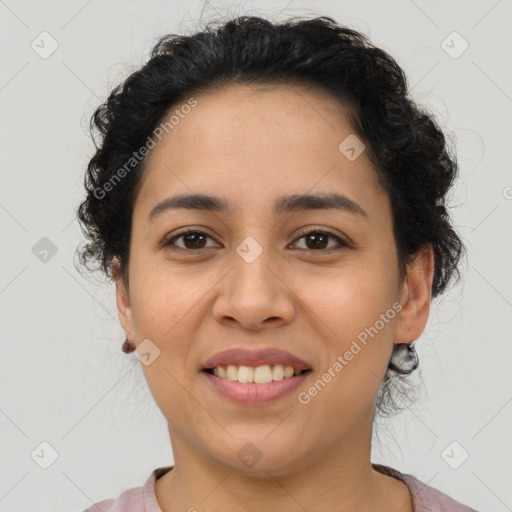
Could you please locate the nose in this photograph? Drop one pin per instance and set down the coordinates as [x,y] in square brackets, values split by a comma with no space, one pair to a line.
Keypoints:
[255,295]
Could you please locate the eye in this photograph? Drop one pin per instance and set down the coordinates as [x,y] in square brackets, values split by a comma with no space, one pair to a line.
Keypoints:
[195,240]
[192,239]
[319,239]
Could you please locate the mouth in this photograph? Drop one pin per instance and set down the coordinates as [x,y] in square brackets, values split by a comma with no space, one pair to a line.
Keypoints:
[255,376]
[255,386]
[262,374]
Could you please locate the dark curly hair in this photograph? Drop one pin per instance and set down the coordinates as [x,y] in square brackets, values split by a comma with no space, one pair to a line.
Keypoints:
[404,143]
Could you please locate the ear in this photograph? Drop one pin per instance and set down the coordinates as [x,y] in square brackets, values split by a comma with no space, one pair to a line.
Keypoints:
[415,296]
[124,310]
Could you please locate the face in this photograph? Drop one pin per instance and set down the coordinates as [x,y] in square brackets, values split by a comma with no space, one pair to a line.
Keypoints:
[252,278]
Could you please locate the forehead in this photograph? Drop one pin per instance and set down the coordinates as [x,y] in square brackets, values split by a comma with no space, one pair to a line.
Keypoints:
[252,144]
[243,120]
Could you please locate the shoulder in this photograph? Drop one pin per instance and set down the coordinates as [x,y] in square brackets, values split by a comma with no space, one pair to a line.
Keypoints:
[424,497]
[129,500]
[135,499]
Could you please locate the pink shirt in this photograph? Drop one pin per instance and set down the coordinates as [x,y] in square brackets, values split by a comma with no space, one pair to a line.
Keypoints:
[143,499]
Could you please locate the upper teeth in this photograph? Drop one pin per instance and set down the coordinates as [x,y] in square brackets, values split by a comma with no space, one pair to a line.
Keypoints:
[259,374]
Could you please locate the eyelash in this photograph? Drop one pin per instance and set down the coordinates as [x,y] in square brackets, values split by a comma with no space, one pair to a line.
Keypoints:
[169,243]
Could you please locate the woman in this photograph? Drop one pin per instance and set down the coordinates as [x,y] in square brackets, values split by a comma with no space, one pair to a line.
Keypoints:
[269,202]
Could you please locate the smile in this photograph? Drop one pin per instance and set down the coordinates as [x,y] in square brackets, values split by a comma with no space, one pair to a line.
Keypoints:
[249,390]
[258,375]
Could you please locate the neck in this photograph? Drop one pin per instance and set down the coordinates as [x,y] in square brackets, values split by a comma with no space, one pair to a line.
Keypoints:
[339,479]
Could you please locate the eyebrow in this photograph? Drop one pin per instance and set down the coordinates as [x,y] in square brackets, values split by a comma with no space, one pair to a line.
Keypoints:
[283,204]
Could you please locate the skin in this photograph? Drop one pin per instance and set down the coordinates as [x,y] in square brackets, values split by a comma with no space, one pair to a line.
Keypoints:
[250,146]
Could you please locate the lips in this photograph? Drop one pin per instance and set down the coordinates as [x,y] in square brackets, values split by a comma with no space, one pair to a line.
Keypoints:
[257,357]
[254,394]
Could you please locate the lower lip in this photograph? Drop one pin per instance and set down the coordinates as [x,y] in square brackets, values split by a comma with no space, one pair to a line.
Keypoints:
[253,394]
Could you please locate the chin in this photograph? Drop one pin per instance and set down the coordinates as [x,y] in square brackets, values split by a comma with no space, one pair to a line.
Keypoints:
[260,455]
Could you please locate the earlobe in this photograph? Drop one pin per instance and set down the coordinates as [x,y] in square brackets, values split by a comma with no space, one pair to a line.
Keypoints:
[416,296]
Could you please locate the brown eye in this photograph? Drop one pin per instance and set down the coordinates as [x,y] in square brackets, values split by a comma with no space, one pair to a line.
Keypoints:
[317,241]
[192,240]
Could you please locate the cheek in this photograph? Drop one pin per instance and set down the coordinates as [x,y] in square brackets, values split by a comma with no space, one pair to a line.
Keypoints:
[353,312]
[162,299]
[350,298]
[165,311]
[357,321]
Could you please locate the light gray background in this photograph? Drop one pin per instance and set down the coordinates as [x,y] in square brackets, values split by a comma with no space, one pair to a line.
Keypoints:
[64,379]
